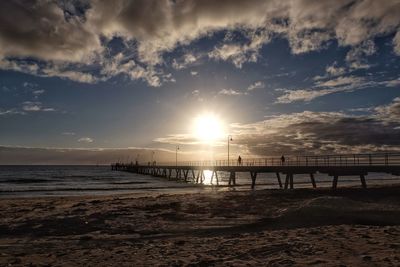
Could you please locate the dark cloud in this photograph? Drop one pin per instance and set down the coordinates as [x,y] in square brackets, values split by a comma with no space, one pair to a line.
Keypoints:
[321,133]
[39,29]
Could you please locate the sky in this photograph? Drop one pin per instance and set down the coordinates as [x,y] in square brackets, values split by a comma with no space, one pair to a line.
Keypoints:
[96,81]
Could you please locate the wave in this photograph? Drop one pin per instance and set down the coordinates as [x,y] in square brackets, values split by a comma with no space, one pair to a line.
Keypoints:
[26,181]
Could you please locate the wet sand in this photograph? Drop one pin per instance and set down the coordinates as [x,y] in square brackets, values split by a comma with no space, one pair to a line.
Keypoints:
[349,227]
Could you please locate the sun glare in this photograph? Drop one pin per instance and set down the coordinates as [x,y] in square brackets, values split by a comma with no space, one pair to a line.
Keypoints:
[208,128]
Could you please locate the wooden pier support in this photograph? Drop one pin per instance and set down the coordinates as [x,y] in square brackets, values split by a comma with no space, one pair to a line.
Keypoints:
[334,182]
[193,176]
[313,180]
[279,179]
[289,181]
[253,179]
[232,178]
[363,182]
[212,177]
[200,177]
[178,174]
[185,174]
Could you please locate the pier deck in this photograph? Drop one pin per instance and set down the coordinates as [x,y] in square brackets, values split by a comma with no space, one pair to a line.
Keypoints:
[332,165]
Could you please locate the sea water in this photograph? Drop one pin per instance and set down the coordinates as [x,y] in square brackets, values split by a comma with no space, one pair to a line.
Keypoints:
[26,181]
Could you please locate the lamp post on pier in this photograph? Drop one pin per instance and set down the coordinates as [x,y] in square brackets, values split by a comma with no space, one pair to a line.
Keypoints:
[176,156]
[152,157]
[229,139]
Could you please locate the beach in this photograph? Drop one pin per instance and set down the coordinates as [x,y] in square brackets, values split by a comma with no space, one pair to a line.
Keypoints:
[347,227]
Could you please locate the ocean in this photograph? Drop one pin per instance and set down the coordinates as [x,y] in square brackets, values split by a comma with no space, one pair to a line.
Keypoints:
[40,181]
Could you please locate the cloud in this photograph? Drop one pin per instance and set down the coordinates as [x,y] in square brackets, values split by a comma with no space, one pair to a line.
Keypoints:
[29,85]
[48,109]
[184,62]
[256,85]
[303,95]
[68,133]
[161,25]
[47,70]
[32,106]
[389,113]
[324,86]
[230,92]
[25,108]
[334,70]
[122,65]
[73,75]
[331,71]
[392,83]
[308,25]
[322,133]
[178,139]
[341,81]
[65,40]
[19,65]
[39,29]
[396,43]
[11,112]
[38,92]
[330,86]
[189,140]
[239,54]
[85,140]
[357,56]
[35,106]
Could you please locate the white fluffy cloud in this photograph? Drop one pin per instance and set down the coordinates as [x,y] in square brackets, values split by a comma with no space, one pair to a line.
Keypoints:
[290,96]
[329,85]
[230,92]
[184,62]
[34,106]
[256,85]
[85,140]
[10,112]
[239,54]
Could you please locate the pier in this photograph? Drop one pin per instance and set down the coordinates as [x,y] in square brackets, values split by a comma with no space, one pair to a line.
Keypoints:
[335,166]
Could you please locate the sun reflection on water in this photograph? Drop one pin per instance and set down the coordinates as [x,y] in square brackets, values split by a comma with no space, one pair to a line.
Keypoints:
[207,177]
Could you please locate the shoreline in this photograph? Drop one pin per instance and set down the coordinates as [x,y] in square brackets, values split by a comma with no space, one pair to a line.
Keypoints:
[188,188]
[349,226]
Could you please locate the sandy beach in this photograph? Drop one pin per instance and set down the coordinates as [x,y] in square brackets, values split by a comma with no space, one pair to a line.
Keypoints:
[349,227]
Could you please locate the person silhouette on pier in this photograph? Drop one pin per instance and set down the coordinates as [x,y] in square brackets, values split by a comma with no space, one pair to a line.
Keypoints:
[239,161]
[283,160]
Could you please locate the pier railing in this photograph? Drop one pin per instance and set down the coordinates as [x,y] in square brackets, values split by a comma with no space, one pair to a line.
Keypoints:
[377,159]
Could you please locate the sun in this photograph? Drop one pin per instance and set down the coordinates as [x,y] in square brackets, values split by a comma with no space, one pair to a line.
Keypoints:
[208,128]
